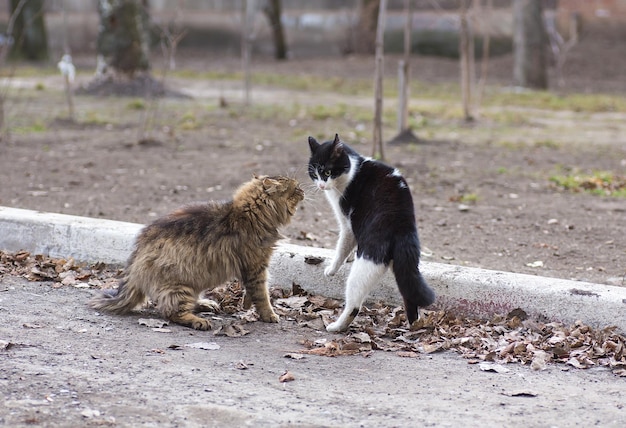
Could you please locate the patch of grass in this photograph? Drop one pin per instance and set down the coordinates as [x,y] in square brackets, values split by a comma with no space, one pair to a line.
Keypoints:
[603,183]
[24,71]
[38,126]
[40,86]
[94,118]
[417,121]
[305,82]
[136,104]
[327,111]
[518,145]
[592,103]
[267,111]
[465,198]
[548,144]
[469,198]
[301,82]
[502,170]
[318,112]
[506,117]
[426,90]
[442,111]
[189,121]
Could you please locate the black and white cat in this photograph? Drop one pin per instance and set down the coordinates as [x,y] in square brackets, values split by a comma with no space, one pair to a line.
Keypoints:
[374,209]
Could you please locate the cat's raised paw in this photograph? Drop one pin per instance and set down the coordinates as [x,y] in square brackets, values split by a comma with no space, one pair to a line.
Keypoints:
[330,271]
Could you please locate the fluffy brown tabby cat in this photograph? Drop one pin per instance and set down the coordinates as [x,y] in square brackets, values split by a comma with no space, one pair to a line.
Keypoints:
[201,246]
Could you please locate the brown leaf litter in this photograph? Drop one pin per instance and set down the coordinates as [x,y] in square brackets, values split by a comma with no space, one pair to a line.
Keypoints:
[510,338]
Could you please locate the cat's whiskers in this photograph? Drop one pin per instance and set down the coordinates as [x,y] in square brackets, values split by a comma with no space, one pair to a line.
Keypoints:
[298,173]
[309,200]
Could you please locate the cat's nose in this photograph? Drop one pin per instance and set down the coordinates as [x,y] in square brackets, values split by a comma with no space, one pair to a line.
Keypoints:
[321,185]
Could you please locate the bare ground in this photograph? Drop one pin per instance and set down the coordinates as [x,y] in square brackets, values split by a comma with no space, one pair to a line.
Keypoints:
[70,366]
[193,150]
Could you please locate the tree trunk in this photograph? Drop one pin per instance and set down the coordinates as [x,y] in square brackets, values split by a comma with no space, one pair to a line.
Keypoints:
[529,45]
[484,66]
[273,12]
[378,150]
[466,42]
[247,16]
[124,36]
[404,72]
[29,31]
[365,31]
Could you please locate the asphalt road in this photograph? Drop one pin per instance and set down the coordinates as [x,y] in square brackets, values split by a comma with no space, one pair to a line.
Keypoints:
[63,364]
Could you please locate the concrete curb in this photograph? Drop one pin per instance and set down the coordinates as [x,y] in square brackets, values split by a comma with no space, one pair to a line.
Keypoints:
[467,291]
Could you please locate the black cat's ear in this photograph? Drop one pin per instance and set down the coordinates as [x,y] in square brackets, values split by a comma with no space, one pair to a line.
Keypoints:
[337,147]
[313,145]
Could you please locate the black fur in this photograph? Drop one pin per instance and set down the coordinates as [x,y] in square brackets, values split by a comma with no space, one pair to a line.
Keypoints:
[380,208]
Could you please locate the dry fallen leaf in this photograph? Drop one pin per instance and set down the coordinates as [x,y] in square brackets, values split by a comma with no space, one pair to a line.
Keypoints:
[21,256]
[231,330]
[293,302]
[324,302]
[240,365]
[540,360]
[362,337]
[286,377]
[31,325]
[312,260]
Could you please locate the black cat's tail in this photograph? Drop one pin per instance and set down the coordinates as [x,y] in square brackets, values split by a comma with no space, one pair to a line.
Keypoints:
[414,289]
[120,301]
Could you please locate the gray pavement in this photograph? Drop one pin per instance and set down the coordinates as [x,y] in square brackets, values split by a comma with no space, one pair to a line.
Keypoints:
[63,364]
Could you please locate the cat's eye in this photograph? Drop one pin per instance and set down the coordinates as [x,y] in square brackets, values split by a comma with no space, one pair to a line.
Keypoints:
[327,173]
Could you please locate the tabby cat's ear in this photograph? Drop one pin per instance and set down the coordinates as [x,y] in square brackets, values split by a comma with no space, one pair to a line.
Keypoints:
[313,145]
[270,185]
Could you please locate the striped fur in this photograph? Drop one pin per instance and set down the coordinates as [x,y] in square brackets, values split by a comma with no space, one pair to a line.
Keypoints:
[204,245]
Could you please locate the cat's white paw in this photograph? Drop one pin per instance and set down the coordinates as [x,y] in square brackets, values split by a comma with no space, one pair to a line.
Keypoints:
[330,270]
[334,327]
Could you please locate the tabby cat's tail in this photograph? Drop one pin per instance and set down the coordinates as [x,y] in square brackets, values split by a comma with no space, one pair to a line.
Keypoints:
[414,289]
[120,301]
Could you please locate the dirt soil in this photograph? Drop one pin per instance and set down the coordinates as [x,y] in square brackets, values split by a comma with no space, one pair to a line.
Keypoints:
[71,366]
[125,163]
